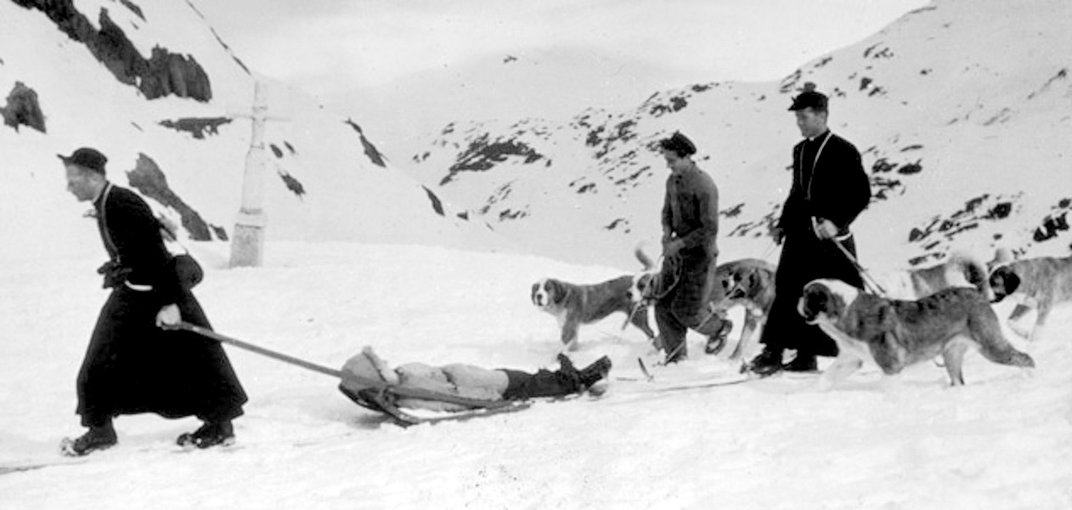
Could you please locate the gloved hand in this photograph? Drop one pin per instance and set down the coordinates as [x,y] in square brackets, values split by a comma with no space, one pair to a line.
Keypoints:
[168,316]
[114,274]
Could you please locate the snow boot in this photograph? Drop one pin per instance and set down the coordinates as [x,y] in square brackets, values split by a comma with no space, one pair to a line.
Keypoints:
[718,331]
[768,362]
[802,363]
[587,376]
[598,370]
[96,438]
[208,435]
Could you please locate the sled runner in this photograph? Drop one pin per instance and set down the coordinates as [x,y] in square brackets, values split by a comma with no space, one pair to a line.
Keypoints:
[376,394]
[382,401]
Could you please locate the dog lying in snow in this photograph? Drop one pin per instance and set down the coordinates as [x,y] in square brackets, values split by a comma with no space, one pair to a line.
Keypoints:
[896,333]
[1036,283]
[573,305]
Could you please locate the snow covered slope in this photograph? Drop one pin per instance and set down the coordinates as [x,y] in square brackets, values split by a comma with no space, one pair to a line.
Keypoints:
[155,88]
[961,107]
[1002,441]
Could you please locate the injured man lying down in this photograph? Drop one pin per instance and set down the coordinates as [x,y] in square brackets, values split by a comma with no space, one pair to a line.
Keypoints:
[367,370]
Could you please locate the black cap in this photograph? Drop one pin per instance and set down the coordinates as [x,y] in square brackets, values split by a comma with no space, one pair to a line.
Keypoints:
[809,99]
[86,157]
[678,144]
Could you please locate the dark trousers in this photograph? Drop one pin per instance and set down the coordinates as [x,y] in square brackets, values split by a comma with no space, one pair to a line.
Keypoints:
[544,383]
[685,306]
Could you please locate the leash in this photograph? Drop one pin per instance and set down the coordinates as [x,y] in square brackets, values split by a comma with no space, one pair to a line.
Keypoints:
[869,281]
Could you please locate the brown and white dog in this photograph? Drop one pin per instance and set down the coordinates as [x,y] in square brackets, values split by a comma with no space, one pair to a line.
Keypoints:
[895,333]
[574,305]
[745,282]
[958,270]
[748,283]
[1037,283]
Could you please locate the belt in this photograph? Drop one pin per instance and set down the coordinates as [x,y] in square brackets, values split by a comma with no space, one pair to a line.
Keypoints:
[138,287]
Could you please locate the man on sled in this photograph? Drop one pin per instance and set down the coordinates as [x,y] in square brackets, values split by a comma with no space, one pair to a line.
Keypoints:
[371,383]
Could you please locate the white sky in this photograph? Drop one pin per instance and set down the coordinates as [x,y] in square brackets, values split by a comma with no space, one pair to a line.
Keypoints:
[333,48]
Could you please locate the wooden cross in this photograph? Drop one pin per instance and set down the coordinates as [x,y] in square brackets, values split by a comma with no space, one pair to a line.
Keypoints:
[247,244]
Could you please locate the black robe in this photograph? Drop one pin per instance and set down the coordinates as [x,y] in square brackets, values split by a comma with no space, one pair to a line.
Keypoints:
[835,187]
[132,366]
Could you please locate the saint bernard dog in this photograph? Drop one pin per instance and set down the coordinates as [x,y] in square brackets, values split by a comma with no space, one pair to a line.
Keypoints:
[748,283]
[745,282]
[959,270]
[574,305]
[1037,283]
[895,334]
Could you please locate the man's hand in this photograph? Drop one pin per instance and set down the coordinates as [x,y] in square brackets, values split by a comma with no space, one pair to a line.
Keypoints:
[824,228]
[671,247]
[778,234]
[168,316]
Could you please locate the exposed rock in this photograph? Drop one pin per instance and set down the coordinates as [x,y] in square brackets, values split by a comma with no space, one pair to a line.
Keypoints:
[163,74]
[22,109]
[197,126]
[371,151]
[150,181]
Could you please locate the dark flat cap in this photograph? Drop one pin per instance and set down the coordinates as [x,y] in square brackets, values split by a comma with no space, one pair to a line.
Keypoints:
[86,157]
[679,144]
[810,98]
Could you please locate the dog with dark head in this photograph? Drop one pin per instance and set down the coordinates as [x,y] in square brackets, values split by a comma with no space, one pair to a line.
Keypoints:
[1039,283]
[896,333]
[748,283]
[573,305]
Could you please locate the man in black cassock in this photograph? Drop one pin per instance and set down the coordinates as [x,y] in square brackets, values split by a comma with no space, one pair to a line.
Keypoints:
[132,365]
[830,189]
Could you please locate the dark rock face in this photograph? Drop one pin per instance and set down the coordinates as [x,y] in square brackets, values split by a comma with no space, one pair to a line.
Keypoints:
[164,73]
[150,181]
[22,109]
[371,152]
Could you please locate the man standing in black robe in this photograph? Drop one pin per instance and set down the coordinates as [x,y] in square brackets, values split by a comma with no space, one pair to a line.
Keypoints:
[132,365]
[830,189]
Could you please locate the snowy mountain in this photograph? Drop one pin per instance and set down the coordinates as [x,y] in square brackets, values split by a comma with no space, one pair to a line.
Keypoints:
[961,110]
[960,106]
[154,87]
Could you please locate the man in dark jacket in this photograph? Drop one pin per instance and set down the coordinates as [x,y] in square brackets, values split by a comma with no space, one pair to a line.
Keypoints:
[690,225]
[830,188]
[132,365]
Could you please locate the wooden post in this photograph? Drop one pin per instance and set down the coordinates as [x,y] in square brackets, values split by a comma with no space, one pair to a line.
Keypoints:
[247,244]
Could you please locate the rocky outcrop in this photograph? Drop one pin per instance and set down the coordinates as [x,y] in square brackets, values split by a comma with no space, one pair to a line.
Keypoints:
[163,74]
[150,181]
[199,127]
[22,109]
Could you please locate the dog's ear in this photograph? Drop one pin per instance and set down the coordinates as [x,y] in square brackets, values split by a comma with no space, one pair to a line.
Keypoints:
[556,290]
[535,289]
[1003,282]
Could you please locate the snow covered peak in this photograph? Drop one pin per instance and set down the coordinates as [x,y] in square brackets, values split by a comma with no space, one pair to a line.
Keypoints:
[959,108]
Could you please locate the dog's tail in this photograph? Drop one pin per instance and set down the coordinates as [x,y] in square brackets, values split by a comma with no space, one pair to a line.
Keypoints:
[644,259]
[972,270]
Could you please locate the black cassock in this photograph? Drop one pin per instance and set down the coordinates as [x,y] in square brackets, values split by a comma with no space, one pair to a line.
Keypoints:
[828,182]
[132,366]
